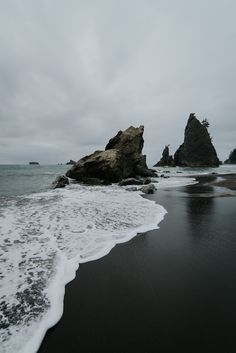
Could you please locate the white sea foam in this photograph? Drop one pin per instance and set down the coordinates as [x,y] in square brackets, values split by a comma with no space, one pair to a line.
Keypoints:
[44,237]
[174,182]
[189,171]
[170,182]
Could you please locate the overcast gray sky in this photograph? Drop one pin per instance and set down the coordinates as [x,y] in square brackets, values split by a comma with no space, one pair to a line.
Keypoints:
[73,73]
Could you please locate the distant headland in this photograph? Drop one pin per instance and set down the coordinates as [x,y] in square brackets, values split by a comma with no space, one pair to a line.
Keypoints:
[33,163]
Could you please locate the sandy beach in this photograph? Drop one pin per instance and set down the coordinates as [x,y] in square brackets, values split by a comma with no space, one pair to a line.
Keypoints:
[168,290]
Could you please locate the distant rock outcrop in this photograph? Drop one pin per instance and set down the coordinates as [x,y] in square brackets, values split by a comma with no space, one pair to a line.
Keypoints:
[232,158]
[71,162]
[197,149]
[166,159]
[121,159]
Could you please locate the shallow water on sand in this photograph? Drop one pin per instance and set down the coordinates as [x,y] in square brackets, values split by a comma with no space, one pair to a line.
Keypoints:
[171,290]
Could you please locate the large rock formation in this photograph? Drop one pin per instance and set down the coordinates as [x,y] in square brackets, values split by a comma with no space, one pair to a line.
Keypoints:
[121,159]
[166,159]
[197,149]
[232,158]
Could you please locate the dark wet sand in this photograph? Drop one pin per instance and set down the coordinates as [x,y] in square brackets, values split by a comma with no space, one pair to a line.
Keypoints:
[168,290]
[223,180]
[228,181]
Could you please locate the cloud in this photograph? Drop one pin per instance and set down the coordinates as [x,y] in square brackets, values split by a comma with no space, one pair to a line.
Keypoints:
[74,73]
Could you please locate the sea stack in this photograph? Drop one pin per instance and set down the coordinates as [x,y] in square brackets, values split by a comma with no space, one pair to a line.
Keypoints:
[121,159]
[166,159]
[232,158]
[197,149]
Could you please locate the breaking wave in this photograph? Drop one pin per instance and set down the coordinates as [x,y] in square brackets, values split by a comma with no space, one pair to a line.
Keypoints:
[44,238]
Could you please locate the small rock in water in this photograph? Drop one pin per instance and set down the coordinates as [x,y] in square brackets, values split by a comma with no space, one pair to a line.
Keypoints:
[132,188]
[148,189]
[130,181]
[60,182]
[164,176]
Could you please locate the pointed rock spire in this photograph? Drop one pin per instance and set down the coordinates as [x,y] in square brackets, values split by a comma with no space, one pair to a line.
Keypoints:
[197,149]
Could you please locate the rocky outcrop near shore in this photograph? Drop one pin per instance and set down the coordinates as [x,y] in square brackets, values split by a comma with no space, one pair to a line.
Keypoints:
[121,159]
[232,158]
[197,149]
[166,159]
[60,182]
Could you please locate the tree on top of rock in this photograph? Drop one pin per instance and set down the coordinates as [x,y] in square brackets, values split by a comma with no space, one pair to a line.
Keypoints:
[197,149]
[205,123]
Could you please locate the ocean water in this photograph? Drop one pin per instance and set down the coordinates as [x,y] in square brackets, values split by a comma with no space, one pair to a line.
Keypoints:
[45,234]
[25,179]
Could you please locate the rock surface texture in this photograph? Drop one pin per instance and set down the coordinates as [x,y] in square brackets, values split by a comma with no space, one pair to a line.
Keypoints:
[121,159]
[232,158]
[148,189]
[130,181]
[60,182]
[71,162]
[166,159]
[197,149]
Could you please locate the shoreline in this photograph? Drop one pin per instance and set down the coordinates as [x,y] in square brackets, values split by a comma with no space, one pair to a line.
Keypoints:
[219,185]
[229,181]
[132,299]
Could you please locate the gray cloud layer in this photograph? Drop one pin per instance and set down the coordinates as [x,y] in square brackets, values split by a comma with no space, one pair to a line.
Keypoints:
[73,73]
